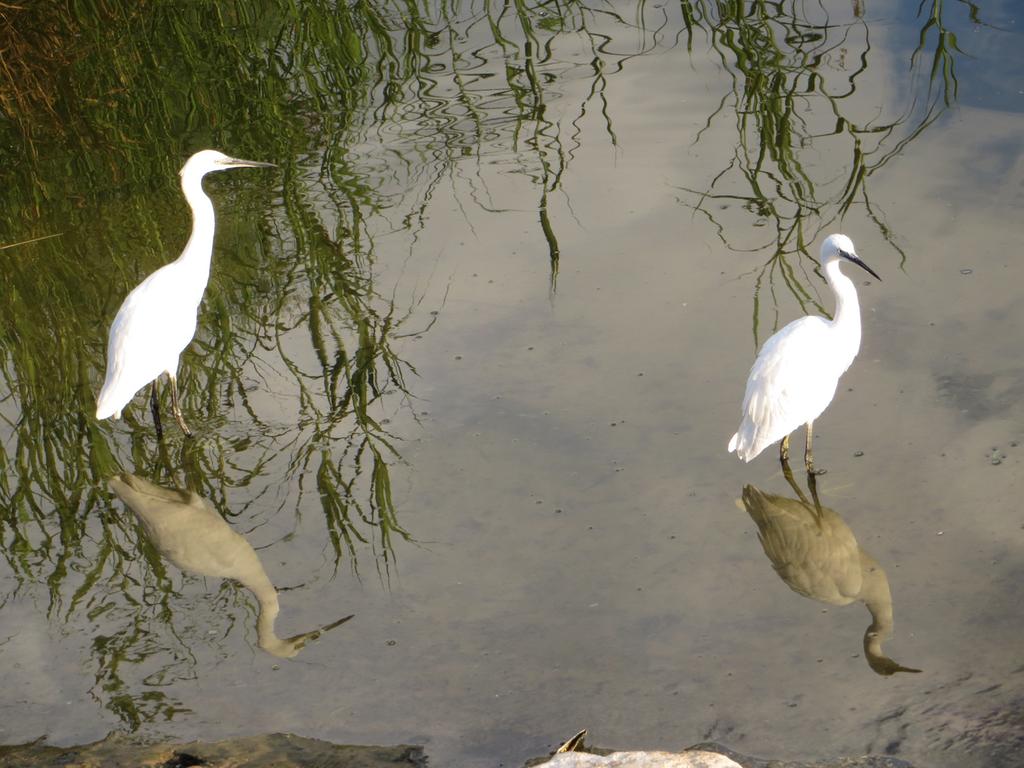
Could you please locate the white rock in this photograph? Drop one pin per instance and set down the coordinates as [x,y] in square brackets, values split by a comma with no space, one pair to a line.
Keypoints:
[696,758]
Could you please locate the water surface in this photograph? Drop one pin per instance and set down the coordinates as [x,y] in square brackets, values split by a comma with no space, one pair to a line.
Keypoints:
[469,362]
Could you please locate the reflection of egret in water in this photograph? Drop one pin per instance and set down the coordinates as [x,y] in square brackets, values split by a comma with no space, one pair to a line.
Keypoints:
[186,529]
[817,555]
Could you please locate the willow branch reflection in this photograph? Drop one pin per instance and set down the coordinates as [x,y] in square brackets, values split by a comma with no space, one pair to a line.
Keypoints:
[816,554]
[796,69]
[187,531]
[369,110]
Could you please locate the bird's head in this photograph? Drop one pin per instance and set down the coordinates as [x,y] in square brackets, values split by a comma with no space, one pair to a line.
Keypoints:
[208,160]
[841,247]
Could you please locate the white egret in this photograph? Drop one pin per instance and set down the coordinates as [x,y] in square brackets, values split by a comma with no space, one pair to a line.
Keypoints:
[796,372]
[157,320]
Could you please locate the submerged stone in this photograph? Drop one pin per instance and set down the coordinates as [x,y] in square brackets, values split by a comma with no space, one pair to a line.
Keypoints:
[275,750]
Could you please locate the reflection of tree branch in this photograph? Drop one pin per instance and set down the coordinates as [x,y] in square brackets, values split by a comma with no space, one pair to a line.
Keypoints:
[942,57]
[776,55]
[437,88]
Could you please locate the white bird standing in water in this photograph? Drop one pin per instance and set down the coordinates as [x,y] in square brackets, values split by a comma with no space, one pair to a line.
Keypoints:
[157,320]
[796,372]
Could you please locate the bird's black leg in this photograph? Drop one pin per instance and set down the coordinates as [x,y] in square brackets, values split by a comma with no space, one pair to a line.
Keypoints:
[808,455]
[788,474]
[154,406]
[177,409]
[812,485]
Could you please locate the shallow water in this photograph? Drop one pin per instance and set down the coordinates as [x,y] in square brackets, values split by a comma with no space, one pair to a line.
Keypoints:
[470,376]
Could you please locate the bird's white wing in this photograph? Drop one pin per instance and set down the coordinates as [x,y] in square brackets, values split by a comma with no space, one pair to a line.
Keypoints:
[151,329]
[790,384]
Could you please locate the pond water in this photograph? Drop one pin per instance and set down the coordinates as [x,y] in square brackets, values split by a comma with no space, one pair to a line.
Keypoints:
[469,361]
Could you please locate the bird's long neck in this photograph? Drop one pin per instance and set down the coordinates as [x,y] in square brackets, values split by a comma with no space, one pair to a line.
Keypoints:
[846,317]
[875,594]
[269,609]
[196,255]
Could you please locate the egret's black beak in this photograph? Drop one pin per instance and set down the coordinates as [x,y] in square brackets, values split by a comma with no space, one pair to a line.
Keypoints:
[235,162]
[856,260]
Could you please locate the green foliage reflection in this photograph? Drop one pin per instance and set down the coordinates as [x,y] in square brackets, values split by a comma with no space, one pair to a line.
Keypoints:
[296,377]
[795,69]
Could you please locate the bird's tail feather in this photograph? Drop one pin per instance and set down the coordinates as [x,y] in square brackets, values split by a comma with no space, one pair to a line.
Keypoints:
[744,448]
[109,403]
